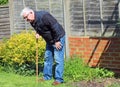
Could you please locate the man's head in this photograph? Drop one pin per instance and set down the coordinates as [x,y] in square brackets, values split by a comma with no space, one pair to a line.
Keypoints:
[28,14]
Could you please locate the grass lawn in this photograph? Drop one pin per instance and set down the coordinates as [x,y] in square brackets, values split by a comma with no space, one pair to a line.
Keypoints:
[13,80]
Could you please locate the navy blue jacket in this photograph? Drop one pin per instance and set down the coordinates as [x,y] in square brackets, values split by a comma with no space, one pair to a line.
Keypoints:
[48,27]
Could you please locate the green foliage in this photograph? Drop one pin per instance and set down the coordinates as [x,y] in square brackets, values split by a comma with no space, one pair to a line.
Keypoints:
[19,52]
[76,70]
[102,73]
[14,80]
[115,85]
[3,2]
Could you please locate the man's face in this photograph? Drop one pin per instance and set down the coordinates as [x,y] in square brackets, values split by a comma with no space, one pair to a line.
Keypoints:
[29,17]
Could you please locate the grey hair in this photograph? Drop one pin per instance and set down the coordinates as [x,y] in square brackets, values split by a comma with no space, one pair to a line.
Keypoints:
[26,10]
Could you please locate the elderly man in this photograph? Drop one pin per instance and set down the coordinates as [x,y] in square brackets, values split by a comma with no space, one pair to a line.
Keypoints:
[53,33]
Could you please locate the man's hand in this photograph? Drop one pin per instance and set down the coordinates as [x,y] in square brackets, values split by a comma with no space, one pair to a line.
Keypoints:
[37,36]
[58,45]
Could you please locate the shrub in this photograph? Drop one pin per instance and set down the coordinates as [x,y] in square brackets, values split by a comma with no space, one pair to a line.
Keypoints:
[3,2]
[76,70]
[19,52]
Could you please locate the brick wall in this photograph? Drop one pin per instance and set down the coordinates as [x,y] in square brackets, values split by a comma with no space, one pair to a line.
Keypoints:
[103,52]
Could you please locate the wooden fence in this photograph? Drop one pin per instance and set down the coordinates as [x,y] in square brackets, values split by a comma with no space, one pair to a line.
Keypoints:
[83,18]
[95,18]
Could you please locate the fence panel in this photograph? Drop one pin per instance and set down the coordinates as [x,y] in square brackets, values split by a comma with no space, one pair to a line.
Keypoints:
[101,18]
[76,18]
[93,18]
[110,18]
[4,22]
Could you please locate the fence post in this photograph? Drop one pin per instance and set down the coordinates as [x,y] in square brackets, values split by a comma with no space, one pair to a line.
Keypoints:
[84,15]
[119,7]
[11,16]
[66,25]
[101,16]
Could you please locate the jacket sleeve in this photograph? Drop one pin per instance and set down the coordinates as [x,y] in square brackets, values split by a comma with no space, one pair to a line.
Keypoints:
[53,25]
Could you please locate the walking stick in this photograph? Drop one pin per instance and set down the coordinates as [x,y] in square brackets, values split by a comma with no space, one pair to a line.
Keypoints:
[36,59]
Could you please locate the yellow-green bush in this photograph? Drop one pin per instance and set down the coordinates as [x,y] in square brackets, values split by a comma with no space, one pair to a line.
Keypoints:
[20,49]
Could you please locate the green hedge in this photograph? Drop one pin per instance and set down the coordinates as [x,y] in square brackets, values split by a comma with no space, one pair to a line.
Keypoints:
[3,2]
[19,52]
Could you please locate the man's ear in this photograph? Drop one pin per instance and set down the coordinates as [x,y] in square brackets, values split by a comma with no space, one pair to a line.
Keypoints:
[31,12]
[32,15]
